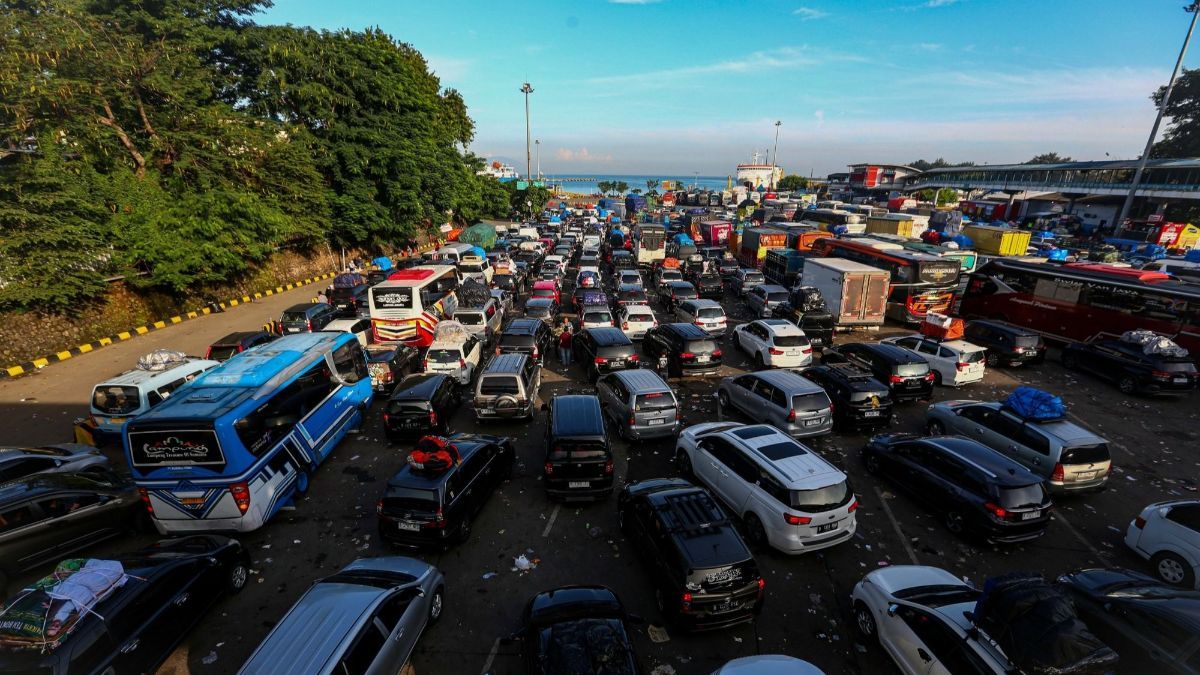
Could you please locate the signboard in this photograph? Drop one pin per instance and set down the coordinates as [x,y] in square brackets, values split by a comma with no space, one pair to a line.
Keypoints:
[175,448]
[522,185]
[668,185]
[392,297]
[539,183]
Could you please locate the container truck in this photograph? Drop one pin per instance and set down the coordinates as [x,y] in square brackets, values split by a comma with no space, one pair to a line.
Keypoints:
[715,232]
[998,240]
[856,294]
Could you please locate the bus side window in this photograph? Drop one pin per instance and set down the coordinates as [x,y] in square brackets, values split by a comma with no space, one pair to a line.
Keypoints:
[345,363]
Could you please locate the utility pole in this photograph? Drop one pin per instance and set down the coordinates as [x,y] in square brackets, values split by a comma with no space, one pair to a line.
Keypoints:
[527,89]
[1194,10]
[775,153]
[537,144]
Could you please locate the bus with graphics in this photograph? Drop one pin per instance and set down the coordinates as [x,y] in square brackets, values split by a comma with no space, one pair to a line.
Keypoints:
[408,306]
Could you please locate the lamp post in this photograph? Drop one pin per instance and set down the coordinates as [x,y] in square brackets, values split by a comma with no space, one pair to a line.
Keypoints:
[1194,10]
[775,152]
[537,144]
[527,89]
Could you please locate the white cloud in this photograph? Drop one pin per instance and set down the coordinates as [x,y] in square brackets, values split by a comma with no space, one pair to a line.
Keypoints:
[1047,86]
[929,46]
[772,59]
[449,68]
[809,13]
[580,155]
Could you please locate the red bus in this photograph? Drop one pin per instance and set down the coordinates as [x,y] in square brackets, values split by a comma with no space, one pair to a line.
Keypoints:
[921,282]
[1079,301]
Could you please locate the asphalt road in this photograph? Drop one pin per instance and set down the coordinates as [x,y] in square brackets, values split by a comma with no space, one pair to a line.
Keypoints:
[806,613]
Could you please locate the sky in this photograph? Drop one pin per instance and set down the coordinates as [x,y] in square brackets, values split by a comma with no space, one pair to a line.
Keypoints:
[674,87]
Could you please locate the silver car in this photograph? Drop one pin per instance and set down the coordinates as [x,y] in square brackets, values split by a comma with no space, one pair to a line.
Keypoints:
[765,298]
[639,404]
[17,463]
[796,405]
[364,619]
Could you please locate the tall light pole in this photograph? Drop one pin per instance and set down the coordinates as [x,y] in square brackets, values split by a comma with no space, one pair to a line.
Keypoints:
[1194,10]
[527,89]
[775,152]
[537,144]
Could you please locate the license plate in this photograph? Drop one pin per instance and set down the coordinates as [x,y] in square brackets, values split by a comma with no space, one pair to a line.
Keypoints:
[1085,475]
[723,607]
[653,422]
[702,359]
[1031,515]
[872,413]
[1180,380]
[578,484]
[912,383]
[191,501]
[411,527]
[827,527]
[813,423]
[293,330]
[410,424]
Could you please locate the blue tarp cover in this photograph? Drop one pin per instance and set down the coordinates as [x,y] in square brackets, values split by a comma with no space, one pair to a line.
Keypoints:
[1035,404]
[382,262]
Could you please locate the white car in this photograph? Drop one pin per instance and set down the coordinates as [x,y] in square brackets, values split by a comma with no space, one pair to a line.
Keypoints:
[786,495]
[635,320]
[1168,535]
[774,343]
[595,316]
[901,606]
[361,328]
[457,355]
[629,277]
[953,362]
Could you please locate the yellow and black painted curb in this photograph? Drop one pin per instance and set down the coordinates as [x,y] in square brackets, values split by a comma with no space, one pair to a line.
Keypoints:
[37,364]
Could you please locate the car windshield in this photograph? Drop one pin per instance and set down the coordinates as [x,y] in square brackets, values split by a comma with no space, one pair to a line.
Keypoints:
[912,369]
[443,356]
[341,294]
[498,385]
[578,450]
[1028,340]
[791,341]
[537,312]
[777,296]
[222,353]
[864,396]
[511,340]
[710,313]
[410,499]
[300,317]
[755,278]
[469,318]
[1026,495]
[821,499]
[597,317]
[411,406]
[659,400]
[1085,454]
[543,292]
[938,596]
[116,400]
[1177,366]
[810,402]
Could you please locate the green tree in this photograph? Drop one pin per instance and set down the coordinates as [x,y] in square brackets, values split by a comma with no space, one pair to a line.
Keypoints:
[1047,158]
[621,187]
[604,186]
[1182,137]
[943,196]
[636,191]
[792,182]
[939,163]
[652,187]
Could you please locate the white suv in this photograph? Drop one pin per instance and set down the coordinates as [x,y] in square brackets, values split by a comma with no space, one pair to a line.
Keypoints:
[774,343]
[635,320]
[1168,535]
[455,352]
[786,495]
[953,362]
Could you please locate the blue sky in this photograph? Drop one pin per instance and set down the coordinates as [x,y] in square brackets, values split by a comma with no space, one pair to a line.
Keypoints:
[676,86]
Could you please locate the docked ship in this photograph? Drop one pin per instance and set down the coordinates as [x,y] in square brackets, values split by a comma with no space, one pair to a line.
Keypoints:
[501,172]
[756,174]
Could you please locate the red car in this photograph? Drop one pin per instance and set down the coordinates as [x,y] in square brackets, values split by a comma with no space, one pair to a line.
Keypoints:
[546,289]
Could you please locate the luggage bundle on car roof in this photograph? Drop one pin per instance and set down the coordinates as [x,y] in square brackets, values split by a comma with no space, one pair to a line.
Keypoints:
[47,611]
[1035,405]
[1036,626]
[1152,343]
[161,359]
[434,454]
[808,299]
[942,327]
[471,293]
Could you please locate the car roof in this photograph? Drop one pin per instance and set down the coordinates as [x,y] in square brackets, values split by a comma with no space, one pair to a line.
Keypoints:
[505,364]
[41,483]
[407,476]
[792,382]
[1005,471]
[339,325]
[523,326]
[1063,429]
[606,336]
[771,288]
[684,285]
[640,381]
[699,303]
[891,352]
[803,470]
[599,598]
[238,337]
[1004,326]
[689,331]
[418,386]
[577,415]
[138,376]
[779,326]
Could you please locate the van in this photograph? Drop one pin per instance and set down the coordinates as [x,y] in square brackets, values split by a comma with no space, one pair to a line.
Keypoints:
[579,460]
[453,253]
[456,353]
[359,328]
[133,392]
[508,388]
[529,233]
[483,322]
[639,404]
[707,314]
[476,268]
[306,317]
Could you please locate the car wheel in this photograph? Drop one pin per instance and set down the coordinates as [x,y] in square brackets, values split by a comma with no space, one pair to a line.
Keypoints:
[723,400]
[937,379]
[436,604]
[1127,385]
[1173,569]
[684,463]
[871,461]
[1070,361]
[864,620]
[238,576]
[935,428]
[992,360]
[955,522]
[302,481]
[755,534]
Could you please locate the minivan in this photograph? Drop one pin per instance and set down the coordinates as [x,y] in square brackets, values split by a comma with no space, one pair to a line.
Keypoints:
[508,388]
[707,314]
[133,392]
[603,350]
[306,317]
[579,460]
[794,404]
[639,404]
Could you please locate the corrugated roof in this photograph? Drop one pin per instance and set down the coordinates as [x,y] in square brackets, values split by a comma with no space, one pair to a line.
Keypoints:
[1186,163]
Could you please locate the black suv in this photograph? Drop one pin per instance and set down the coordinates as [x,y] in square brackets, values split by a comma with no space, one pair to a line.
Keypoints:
[350,302]
[710,286]
[604,350]
[1132,369]
[675,292]
[577,629]
[630,294]
[421,507]
[421,404]
[859,400]
[306,318]
[906,374]
[526,336]
[688,348]
[1006,344]
[579,460]
[389,363]
[704,575]
[974,489]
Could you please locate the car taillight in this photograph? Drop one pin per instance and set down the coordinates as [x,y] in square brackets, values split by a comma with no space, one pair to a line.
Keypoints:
[832,407]
[687,355]
[960,366]
[624,325]
[716,353]
[433,418]
[145,496]
[996,510]
[1059,473]
[775,352]
[634,357]
[600,360]
[439,520]
[853,506]
[796,520]
[791,416]
[685,602]
[1139,522]
[548,469]
[241,496]
[379,507]
[762,583]
[462,363]
[806,350]
[895,379]
[1160,374]
[608,467]
[632,419]
[386,418]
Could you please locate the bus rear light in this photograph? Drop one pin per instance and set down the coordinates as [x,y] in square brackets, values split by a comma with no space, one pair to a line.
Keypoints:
[145,497]
[241,496]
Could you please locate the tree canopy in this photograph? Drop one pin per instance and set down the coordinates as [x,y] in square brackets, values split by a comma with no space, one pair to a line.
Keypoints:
[1047,158]
[939,163]
[1182,136]
[181,144]
[792,182]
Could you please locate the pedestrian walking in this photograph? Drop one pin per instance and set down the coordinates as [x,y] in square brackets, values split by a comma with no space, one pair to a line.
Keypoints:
[565,342]
[322,298]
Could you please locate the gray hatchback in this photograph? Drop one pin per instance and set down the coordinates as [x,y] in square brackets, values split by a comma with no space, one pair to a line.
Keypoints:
[794,404]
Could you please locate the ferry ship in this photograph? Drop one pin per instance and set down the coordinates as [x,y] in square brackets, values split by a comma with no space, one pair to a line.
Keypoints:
[755,173]
[501,172]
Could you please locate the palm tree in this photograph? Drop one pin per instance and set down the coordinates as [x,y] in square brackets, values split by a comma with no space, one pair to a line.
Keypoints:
[637,191]
[621,187]
[604,186]
[651,187]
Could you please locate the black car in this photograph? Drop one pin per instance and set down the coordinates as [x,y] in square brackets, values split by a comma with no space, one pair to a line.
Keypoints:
[710,286]
[420,404]
[526,336]
[703,573]
[350,302]
[727,267]
[389,364]
[543,309]
[1152,626]
[675,292]
[506,282]
[630,294]
[421,507]
[306,317]
[1007,344]
[169,588]
[577,629]
[623,260]
[579,459]
[46,516]
[859,400]
[1130,368]
[972,488]
[377,276]
[235,343]
[906,374]
[604,350]
[688,349]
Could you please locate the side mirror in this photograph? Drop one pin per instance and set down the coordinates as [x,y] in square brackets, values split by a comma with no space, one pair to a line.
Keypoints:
[892,609]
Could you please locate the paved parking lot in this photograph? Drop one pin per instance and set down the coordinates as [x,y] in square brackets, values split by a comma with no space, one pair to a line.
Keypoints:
[806,613]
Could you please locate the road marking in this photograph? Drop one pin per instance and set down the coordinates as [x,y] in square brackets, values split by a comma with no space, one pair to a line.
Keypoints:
[1058,516]
[912,555]
[487,665]
[549,524]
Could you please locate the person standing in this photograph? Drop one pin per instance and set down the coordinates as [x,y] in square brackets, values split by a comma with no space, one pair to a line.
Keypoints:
[322,298]
[566,342]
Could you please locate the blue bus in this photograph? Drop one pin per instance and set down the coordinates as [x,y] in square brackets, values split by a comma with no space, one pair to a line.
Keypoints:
[237,444]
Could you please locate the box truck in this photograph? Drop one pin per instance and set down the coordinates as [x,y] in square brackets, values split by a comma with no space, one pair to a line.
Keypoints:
[856,294]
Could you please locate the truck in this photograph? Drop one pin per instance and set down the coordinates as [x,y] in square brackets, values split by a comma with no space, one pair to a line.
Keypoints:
[634,203]
[650,244]
[715,232]
[783,266]
[856,294]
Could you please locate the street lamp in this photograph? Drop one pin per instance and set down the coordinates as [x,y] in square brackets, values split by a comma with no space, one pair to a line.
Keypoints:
[537,144]
[527,89]
[1194,10]
[775,152]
